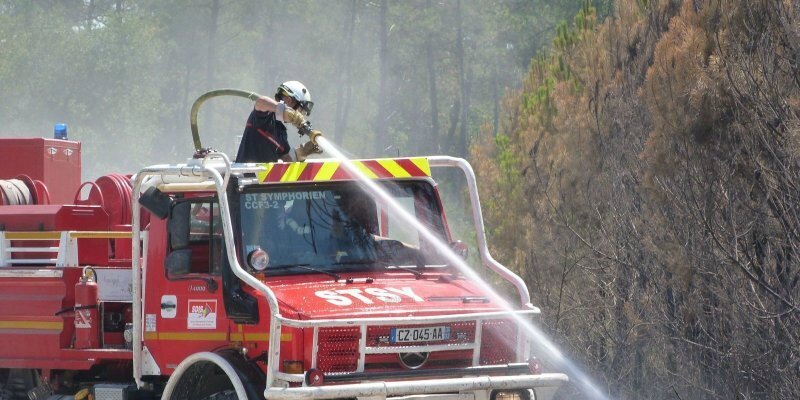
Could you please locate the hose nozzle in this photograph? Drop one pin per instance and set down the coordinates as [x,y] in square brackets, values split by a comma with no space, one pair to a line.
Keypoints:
[305,129]
[313,135]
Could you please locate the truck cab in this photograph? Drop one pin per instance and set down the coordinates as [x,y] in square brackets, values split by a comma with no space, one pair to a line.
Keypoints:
[319,288]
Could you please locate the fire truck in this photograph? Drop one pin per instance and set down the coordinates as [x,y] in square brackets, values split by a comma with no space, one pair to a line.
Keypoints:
[215,280]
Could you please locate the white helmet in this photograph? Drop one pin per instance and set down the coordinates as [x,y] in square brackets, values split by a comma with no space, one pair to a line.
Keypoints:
[297,91]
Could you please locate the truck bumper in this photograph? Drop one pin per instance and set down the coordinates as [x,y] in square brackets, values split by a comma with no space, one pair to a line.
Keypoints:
[477,388]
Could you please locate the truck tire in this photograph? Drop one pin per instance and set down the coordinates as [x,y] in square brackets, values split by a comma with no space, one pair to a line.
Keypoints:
[224,395]
[16,383]
[215,376]
[203,381]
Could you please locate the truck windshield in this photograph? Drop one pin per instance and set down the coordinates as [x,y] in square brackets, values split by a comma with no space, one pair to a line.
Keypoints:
[337,227]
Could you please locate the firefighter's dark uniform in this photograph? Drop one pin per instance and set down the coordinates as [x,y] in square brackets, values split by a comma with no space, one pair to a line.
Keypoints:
[264,139]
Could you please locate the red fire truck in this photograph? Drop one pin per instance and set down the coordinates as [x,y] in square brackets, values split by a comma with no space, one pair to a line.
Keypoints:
[213,280]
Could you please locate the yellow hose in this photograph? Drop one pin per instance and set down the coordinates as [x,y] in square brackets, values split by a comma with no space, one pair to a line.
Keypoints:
[214,93]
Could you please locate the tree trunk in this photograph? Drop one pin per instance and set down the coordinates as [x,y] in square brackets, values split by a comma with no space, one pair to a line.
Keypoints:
[432,92]
[212,43]
[461,148]
[89,14]
[212,51]
[380,128]
[345,64]
[450,140]
[266,57]
[496,99]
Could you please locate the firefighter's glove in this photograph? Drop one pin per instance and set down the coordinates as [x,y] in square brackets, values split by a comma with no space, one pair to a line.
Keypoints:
[294,117]
[308,148]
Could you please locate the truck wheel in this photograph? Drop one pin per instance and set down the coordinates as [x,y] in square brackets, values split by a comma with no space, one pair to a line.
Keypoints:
[224,395]
[3,378]
[206,381]
[215,376]
[17,383]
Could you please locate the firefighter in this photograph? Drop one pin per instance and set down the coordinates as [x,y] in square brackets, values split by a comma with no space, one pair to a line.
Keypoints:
[360,210]
[264,138]
[357,231]
[353,226]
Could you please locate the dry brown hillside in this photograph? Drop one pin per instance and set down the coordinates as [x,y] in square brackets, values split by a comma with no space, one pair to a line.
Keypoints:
[650,193]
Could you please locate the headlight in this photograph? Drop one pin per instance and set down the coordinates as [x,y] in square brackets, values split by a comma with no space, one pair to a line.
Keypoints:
[258,259]
[520,394]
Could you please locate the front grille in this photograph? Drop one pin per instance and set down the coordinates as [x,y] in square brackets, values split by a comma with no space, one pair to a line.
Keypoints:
[499,341]
[338,349]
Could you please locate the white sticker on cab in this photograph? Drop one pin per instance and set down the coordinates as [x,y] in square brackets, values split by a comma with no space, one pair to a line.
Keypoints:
[346,297]
[202,314]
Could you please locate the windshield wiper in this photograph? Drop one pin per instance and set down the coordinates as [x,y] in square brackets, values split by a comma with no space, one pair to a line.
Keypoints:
[387,265]
[356,262]
[417,274]
[383,263]
[307,267]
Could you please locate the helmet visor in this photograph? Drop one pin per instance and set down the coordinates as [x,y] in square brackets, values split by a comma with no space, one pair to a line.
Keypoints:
[307,106]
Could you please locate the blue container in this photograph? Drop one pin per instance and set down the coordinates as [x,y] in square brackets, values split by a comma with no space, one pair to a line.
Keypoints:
[60,131]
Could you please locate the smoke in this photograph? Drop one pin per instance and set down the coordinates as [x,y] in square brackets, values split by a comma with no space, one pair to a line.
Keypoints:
[124,79]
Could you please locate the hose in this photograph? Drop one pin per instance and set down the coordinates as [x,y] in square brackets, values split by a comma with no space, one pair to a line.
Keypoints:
[214,93]
[14,192]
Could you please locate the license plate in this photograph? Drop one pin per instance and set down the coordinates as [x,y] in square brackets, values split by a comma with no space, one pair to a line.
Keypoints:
[426,334]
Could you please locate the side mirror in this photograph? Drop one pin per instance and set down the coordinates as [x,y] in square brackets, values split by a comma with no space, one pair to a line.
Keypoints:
[178,226]
[156,202]
[460,248]
[178,262]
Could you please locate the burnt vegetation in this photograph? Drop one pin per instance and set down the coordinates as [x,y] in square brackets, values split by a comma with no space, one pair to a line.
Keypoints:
[653,157]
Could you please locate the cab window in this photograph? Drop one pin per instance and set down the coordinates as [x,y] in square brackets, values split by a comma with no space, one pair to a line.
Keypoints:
[205,242]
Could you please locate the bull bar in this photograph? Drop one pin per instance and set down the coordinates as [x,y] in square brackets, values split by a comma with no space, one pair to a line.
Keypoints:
[414,382]
[417,387]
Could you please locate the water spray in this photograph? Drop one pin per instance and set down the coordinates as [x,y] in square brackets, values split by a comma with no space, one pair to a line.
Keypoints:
[553,353]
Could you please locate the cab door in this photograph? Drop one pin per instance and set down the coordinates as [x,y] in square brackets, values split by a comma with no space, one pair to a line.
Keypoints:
[183,309]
